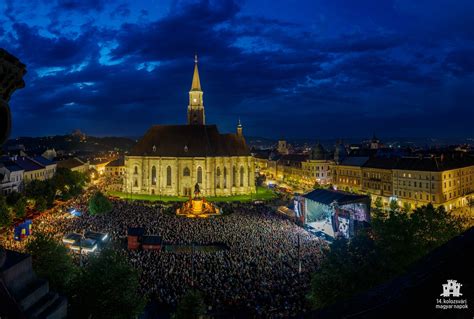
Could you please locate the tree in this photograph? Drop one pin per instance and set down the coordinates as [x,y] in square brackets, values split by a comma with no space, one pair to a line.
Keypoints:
[20,208]
[51,261]
[406,207]
[108,287]
[393,244]
[17,203]
[378,211]
[13,197]
[99,204]
[316,185]
[5,216]
[260,179]
[191,306]
[393,206]
[41,204]
[434,226]
[37,189]
[68,183]
[348,267]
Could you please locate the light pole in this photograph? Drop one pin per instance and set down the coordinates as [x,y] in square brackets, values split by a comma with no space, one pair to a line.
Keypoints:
[299,255]
[192,266]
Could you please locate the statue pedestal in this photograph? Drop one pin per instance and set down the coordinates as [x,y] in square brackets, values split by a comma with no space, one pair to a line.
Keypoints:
[198,207]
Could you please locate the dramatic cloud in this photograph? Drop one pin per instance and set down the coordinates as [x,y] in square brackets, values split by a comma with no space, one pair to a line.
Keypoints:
[320,69]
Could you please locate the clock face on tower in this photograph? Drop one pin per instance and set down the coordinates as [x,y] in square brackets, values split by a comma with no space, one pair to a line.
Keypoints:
[194,100]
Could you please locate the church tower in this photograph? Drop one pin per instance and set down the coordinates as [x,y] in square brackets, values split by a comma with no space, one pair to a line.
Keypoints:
[239,129]
[196,106]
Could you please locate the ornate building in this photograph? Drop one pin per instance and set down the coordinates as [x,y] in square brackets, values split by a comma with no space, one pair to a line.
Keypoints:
[318,166]
[170,159]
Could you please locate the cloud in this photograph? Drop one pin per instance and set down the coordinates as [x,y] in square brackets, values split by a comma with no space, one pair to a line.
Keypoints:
[460,62]
[103,67]
[80,5]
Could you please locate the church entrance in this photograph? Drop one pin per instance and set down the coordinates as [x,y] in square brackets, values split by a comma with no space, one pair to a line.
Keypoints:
[187,191]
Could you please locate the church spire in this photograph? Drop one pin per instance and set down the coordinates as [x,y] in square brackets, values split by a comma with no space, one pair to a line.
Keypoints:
[196,105]
[196,85]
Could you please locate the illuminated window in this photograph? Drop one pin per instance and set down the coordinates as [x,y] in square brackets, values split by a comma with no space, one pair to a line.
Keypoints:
[225,177]
[249,179]
[153,175]
[199,175]
[186,172]
[234,176]
[168,176]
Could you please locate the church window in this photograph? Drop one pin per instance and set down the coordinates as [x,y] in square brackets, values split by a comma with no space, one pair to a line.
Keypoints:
[199,175]
[135,171]
[153,175]
[234,176]
[218,178]
[248,173]
[186,172]
[225,177]
[241,176]
[168,176]
[136,183]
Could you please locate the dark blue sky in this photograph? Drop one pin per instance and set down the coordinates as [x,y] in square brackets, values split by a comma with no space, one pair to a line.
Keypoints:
[313,69]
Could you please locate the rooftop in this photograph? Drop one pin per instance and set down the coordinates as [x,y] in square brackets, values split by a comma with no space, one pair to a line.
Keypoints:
[381,162]
[434,164]
[28,164]
[117,162]
[354,161]
[43,161]
[327,197]
[189,141]
[70,163]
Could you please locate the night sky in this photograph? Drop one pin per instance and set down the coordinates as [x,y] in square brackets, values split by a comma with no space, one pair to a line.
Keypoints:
[315,69]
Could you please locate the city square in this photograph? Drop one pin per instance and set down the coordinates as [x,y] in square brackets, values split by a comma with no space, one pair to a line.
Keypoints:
[207,159]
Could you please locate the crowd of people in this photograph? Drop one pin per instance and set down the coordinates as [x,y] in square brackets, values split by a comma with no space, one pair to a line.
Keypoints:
[264,269]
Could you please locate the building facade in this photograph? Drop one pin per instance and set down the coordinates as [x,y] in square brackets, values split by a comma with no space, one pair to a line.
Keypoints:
[115,167]
[37,168]
[411,181]
[74,164]
[11,178]
[318,166]
[170,159]
[439,180]
[347,176]
[377,178]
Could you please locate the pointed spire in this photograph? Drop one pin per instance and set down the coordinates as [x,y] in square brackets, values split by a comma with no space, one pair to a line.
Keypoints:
[196,85]
[240,124]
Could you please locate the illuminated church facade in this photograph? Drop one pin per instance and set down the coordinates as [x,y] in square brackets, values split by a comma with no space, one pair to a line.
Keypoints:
[170,159]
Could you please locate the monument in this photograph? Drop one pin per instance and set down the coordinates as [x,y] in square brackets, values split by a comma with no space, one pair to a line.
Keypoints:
[22,293]
[198,206]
